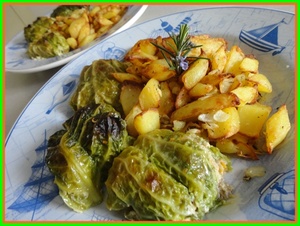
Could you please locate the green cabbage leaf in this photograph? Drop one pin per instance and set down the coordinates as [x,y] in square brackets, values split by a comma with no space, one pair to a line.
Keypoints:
[81,154]
[168,175]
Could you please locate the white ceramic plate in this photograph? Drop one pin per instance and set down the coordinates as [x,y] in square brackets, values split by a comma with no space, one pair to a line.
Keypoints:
[16,59]
[29,190]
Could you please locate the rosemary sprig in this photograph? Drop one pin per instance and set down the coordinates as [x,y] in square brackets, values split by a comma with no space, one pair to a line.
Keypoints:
[178,59]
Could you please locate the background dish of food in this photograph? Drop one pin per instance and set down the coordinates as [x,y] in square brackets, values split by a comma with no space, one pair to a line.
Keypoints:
[17,60]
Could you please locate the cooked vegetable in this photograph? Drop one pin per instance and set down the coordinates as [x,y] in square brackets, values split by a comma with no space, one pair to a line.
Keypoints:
[65,10]
[80,155]
[43,40]
[50,45]
[167,175]
[77,24]
[36,30]
[97,84]
[254,171]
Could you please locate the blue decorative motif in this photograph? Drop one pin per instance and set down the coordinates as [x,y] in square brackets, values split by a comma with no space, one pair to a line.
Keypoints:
[278,195]
[21,45]
[166,27]
[17,62]
[264,39]
[66,92]
[110,51]
[39,189]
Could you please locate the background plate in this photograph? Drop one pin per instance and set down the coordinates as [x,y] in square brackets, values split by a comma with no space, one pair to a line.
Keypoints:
[29,190]
[16,59]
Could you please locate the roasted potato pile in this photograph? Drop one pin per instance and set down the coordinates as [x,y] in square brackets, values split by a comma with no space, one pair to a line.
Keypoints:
[83,26]
[218,96]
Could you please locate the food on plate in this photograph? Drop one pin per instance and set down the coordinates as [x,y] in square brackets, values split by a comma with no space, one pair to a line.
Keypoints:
[205,86]
[168,175]
[70,27]
[254,171]
[277,126]
[65,10]
[156,130]
[96,85]
[80,155]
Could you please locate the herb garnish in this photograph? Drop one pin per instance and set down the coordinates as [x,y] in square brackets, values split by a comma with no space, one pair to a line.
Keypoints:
[178,59]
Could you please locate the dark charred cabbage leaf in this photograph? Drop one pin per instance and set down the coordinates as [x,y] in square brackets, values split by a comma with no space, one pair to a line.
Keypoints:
[167,175]
[80,155]
[96,84]
[65,10]
[50,45]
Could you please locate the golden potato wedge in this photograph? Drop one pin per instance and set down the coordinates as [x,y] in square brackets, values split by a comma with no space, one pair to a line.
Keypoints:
[210,45]
[129,96]
[182,98]
[94,11]
[76,26]
[219,59]
[238,137]
[129,119]
[122,77]
[263,82]
[87,39]
[103,29]
[147,121]
[167,101]
[200,90]
[253,118]
[227,146]
[195,73]
[143,49]
[192,110]
[104,21]
[249,65]
[277,128]
[214,77]
[246,94]
[158,69]
[234,59]
[226,84]
[150,95]
[84,31]
[225,125]
[237,147]
[72,42]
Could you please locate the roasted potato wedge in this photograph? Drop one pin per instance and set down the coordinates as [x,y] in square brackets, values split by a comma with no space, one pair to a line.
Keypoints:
[252,118]
[234,59]
[277,128]
[192,110]
[150,95]
[263,83]
[147,121]
[129,96]
[224,126]
[130,120]
[195,73]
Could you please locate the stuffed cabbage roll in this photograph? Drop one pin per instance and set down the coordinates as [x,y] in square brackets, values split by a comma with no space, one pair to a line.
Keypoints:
[168,175]
[96,84]
[81,154]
